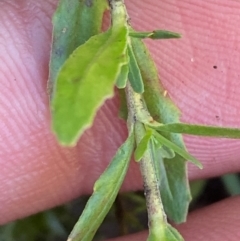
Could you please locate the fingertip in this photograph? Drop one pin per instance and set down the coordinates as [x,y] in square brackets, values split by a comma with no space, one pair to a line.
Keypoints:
[217,222]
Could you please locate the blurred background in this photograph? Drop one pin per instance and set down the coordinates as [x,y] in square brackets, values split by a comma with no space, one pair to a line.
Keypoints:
[128,214]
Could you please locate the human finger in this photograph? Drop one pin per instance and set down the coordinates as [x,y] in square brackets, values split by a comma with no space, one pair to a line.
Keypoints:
[36,172]
[217,222]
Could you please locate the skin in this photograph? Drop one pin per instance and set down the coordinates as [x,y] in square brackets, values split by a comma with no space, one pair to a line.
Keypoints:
[37,174]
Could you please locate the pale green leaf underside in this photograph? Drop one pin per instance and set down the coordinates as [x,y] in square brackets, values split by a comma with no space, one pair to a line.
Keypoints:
[177,149]
[156,34]
[172,234]
[200,130]
[105,191]
[85,81]
[74,22]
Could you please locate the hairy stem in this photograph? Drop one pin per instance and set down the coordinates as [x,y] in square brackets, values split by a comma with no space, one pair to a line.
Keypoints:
[137,109]
[118,11]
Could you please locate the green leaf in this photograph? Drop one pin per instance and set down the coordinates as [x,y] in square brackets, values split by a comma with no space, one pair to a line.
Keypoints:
[123,76]
[164,111]
[156,34]
[123,110]
[164,233]
[160,170]
[177,149]
[172,234]
[200,130]
[143,145]
[134,76]
[83,84]
[74,22]
[105,191]
[163,151]
[166,152]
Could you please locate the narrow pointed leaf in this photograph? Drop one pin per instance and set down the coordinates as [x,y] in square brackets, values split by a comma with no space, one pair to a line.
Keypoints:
[105,191]
[164,111]
[83,84]
[156,34]
[142,146]
[134,76]
[123,76]
[160,170]
[177,149]
[123,110]
[200,130]
[74,22]
[163,34]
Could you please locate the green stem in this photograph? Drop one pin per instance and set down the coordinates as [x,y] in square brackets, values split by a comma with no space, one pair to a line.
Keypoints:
[156,215]
[118,12]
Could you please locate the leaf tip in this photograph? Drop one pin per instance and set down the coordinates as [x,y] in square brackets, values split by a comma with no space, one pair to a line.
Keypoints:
[197,163]
[64,137]
[136,157]
[66,143]
[200,166]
